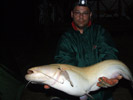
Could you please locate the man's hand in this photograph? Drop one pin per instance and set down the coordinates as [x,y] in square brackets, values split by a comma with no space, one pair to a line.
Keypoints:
[46,87]
[105,82]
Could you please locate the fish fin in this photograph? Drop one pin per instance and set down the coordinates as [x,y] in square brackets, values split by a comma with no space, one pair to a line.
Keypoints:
[66,75]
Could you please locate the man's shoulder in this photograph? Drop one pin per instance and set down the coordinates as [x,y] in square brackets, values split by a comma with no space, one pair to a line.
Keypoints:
[96,28]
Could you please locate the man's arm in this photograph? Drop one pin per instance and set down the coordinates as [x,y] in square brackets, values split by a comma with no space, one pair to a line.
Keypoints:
[64,52]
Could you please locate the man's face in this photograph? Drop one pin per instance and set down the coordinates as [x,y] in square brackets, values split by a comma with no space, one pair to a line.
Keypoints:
[81,16]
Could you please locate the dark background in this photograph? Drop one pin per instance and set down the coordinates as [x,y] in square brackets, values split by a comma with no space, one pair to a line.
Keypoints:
[26,41]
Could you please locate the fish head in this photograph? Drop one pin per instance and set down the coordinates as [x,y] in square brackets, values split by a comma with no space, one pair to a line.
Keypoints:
[43,74]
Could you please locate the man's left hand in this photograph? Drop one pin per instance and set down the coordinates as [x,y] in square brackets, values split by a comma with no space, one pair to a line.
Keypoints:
[105,82]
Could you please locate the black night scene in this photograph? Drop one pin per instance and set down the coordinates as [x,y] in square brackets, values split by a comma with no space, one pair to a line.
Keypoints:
[32,29]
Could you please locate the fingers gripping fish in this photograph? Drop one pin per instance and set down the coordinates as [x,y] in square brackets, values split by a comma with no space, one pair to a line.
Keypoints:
[77,81]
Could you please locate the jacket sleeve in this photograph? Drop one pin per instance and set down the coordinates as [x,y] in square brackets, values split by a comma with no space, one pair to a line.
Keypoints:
[64,52]
[106,46]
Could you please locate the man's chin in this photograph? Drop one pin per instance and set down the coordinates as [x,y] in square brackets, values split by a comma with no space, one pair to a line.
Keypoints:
[81,27]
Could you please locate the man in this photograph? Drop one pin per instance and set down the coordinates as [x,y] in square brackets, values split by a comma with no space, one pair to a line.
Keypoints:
[85,44]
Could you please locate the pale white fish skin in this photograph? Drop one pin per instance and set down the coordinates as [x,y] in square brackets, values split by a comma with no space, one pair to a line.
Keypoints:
[80,81]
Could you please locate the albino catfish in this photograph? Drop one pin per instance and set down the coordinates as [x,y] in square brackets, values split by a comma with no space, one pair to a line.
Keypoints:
[77,81]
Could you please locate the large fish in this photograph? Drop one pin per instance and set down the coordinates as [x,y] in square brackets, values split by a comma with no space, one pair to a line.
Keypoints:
[77,81]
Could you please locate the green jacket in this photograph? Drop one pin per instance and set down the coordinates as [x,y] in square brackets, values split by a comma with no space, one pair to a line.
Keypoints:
[94,45]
